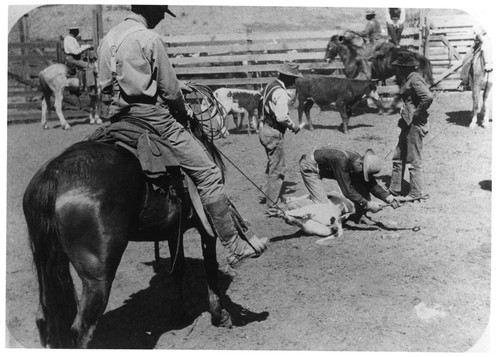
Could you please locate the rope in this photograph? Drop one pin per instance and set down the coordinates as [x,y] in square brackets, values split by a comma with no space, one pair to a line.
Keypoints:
[213,124]
[275,204]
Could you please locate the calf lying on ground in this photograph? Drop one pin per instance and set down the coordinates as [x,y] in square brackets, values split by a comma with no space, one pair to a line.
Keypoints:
[324,90]
[241,104]
[321,219]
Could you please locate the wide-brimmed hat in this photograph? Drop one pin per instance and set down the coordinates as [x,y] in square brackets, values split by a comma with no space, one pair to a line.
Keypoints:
[143,9]
[405,59]
[74,28]
[290,69]
[371,164]
[370,13]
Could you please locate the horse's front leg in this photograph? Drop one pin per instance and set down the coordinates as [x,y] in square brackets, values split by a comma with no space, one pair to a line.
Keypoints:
[476,104]
[178,269]
[220,317]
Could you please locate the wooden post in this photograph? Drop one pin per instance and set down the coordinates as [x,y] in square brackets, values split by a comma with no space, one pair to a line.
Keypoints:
[23,38]
[98,32]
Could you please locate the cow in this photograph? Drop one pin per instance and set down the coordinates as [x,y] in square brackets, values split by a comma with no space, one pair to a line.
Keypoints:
[324,90]
[241,104]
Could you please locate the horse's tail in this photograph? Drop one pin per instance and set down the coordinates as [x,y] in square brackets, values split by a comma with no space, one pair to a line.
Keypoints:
[425,67]
[56,291]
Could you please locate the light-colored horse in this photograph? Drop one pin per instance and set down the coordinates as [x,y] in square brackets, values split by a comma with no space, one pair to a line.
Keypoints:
[481,83]
[53,81]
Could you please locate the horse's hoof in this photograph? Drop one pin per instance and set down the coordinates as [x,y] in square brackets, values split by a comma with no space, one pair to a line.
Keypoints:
[66,127]
[92,122]
[98,120]
[223,321]
[473,125]
[45,127]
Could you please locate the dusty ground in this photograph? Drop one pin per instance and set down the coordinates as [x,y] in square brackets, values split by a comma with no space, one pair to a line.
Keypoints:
[373,290]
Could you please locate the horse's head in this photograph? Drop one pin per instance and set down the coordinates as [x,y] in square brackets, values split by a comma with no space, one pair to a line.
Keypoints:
[332,49]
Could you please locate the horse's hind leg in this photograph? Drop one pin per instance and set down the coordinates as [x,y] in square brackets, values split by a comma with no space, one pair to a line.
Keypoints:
[58,105]
[95,295]
[45,110]
[220,317]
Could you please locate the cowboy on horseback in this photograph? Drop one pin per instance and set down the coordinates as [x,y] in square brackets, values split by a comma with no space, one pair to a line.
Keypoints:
[135,70]
[74,61]
[74,51]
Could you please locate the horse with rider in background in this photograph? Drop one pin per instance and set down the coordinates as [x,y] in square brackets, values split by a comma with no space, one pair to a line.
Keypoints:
[361,63]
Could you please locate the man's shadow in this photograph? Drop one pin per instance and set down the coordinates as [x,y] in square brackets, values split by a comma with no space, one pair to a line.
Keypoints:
[151,312]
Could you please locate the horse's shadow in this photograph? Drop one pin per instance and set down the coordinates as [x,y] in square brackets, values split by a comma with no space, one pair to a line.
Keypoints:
[151,312]
[460,118]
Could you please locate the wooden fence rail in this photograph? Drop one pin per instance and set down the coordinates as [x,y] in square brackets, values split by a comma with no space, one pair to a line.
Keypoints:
[250,59]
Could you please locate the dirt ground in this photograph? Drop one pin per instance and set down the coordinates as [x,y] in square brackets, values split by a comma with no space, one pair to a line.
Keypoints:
[372,290]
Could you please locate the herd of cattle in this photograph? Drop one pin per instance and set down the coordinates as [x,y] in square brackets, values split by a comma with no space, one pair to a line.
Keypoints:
[322,90]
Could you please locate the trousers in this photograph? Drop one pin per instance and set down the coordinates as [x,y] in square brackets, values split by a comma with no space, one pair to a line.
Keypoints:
[186,149]
[408,152]
[273,142]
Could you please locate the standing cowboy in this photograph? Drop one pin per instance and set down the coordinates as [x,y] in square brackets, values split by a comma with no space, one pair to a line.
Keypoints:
[134,67]
[395,19]
[276,120]
[73,50]
[354,174]
[416,98]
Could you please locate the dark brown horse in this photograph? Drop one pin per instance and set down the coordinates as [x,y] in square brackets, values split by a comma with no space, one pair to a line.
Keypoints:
[351,49]
[82,208]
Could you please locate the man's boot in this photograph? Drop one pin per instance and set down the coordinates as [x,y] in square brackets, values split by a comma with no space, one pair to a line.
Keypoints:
[237,249]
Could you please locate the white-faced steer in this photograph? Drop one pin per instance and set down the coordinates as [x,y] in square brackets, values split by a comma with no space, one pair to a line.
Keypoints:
[241,103]
[324,90]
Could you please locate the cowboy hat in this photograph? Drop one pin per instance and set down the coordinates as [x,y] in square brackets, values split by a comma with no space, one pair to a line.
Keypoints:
[370,12]
[405,60]
[371,164]
[290,69]
[141,9]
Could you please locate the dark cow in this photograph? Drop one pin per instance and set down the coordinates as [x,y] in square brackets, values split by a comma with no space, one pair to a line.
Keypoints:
[324,90]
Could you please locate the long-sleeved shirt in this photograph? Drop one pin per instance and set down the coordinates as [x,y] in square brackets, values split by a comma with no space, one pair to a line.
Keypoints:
[416,98]
[277,104]
[144,73]
[72,47]
[337,164]
[372,30]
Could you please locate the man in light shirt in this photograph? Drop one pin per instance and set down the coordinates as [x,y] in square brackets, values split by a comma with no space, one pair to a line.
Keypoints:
[274,125]
[73,50]
[135,70]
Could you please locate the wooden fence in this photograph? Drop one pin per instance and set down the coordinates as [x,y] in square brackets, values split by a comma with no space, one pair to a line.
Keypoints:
[250,60]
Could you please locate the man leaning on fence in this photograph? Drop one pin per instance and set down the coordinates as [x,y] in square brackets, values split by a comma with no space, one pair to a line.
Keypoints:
[134,67]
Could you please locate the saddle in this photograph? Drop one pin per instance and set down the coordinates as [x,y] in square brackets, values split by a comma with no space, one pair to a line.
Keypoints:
[162,170]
